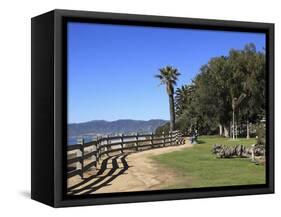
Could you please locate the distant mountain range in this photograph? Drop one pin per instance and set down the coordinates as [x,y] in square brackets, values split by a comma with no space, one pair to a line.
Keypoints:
[113,127]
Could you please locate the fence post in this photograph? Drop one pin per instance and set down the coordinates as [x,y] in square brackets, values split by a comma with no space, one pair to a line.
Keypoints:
[163,136]
[94,156]
[152,137]
[170,137]
[178,138]
[137,142]
[122,140]
[174,137]
[107,142]
[182,138]
[98,150]
[80,153]
[102,147]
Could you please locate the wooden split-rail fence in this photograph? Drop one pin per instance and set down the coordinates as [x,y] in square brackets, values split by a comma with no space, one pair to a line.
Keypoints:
[84,156]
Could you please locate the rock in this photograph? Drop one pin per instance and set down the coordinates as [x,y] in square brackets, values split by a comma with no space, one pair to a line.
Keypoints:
[223,151]
[216,148]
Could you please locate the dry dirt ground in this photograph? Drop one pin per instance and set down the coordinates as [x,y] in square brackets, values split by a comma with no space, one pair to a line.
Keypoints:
[127,172]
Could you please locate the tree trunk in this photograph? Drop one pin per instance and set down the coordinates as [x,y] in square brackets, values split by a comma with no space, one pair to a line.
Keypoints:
[226,132]
[220,129]
[248,130]
[172,112]
[236,131]
[233,124]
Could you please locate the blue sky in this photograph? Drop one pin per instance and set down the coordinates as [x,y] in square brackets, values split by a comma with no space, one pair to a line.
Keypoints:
[111,68]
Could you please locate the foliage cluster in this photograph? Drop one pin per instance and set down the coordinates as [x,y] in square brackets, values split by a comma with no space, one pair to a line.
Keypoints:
[226,85]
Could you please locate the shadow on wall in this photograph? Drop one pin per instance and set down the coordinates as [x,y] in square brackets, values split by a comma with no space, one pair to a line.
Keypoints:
[25,194]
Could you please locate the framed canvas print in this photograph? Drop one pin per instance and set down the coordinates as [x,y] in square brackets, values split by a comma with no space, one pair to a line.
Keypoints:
[134,108]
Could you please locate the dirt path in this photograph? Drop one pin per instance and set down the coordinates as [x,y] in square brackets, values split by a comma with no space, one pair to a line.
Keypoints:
[134,172]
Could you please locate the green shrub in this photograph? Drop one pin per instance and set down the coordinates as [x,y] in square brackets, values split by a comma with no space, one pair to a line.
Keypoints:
[164,128]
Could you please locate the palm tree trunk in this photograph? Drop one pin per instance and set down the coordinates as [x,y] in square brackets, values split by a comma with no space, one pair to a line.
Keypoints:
[172,112]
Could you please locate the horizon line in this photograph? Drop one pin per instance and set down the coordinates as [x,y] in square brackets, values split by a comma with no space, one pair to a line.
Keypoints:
[128,119]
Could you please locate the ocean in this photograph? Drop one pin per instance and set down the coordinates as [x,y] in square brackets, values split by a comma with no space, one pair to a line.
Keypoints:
[72,140]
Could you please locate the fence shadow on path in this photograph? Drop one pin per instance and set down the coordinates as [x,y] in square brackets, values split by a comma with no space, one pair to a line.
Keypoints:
[103,177]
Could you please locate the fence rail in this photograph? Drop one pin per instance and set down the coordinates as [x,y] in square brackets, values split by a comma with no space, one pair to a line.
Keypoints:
[92,152]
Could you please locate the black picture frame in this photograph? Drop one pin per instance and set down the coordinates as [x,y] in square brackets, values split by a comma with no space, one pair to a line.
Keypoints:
[49,107]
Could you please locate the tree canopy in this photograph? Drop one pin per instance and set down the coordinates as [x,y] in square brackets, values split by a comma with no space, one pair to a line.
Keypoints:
[226,84]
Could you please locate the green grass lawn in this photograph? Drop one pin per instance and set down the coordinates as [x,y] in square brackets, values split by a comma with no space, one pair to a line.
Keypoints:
[198,167]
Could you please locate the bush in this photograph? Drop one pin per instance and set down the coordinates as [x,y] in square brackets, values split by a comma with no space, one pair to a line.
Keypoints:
[164,128]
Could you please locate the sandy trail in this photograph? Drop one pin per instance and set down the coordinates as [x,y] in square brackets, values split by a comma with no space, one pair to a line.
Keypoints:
[134,172]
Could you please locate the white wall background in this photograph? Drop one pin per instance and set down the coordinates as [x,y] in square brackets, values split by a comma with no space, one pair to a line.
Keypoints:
[15,106]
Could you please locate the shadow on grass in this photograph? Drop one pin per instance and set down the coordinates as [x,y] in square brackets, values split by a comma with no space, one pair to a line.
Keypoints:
[200,141]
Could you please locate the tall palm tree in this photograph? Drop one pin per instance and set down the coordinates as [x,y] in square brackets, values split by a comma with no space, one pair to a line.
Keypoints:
[168,76]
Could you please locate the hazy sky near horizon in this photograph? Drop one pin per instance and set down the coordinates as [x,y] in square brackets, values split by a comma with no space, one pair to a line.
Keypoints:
[111,68]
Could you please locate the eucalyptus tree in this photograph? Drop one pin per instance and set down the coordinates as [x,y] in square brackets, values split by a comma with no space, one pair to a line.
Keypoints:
[168,76]
[254,85]
[248,81]
[213,93]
